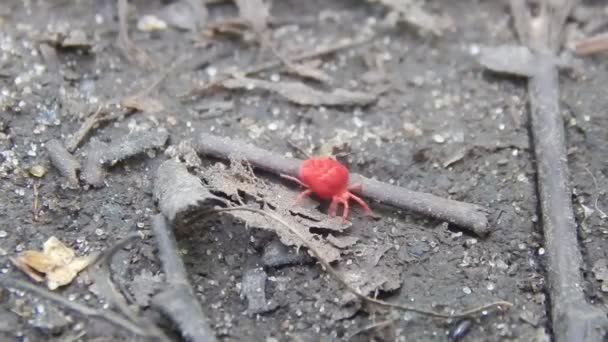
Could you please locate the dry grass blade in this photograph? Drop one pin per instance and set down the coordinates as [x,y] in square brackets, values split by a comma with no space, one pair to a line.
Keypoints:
[133,53]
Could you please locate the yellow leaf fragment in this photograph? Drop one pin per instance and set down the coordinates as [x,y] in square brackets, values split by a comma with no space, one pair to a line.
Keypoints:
[57,261]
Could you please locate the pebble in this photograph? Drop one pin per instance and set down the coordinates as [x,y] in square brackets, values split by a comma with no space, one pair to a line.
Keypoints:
[438,138]
[254,288]
[276,254]
[3,234]
[466,290]
[151,23]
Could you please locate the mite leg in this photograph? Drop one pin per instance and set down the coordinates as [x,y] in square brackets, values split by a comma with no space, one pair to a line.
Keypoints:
[345,212]
[333,207]
[302,195]
[294,179]
[368,211]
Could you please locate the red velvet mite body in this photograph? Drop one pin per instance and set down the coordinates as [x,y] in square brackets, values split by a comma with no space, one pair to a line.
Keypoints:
[328,179]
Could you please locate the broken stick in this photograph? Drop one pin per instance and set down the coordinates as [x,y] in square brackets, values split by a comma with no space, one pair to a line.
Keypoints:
[468,216]
[178,301]
[573,318]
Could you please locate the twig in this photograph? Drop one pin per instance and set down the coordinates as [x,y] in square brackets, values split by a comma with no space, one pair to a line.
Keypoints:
[574,319]
[178,301]
[73,142]
[591,45]
[468,216]
[85,311]
[133,53]
[332,271]
[265,66]
[36,204]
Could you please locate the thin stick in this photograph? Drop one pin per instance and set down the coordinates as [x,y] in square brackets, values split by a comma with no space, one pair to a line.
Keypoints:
[332,271]
[466,215]
[178,301]
[265,66]
[132,52]
[574,318]
[85,311]
[593,44]
[36,204]
[72,143]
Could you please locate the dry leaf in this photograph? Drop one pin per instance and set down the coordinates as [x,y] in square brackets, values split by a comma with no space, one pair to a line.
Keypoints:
[143,104]
[57,261]
[302,94]
[302,217]
[255,13]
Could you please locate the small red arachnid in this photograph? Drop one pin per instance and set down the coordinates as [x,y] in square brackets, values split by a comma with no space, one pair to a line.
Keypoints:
[328,179]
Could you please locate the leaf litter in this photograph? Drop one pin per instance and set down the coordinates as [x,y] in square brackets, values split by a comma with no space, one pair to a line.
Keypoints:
[239,180]
[274,210]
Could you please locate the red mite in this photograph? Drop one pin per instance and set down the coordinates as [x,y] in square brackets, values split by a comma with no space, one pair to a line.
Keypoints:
[328,179]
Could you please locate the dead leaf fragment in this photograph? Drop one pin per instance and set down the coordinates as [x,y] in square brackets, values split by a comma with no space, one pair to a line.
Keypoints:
[302,94]
[57,261]
[144,104]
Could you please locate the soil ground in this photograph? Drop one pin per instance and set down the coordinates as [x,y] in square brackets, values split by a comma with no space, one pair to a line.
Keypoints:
[443,126]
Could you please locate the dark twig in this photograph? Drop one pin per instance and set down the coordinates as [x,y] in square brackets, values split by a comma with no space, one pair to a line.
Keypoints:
[468,216]
[83,310]
[178,301]
[574,319]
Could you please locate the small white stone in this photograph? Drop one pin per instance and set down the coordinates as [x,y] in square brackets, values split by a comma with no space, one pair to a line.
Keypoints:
[150,23]
[541,251]
[466,290]
[474,50]
[438,138]
[3,234]
[273,126]
[211,71]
